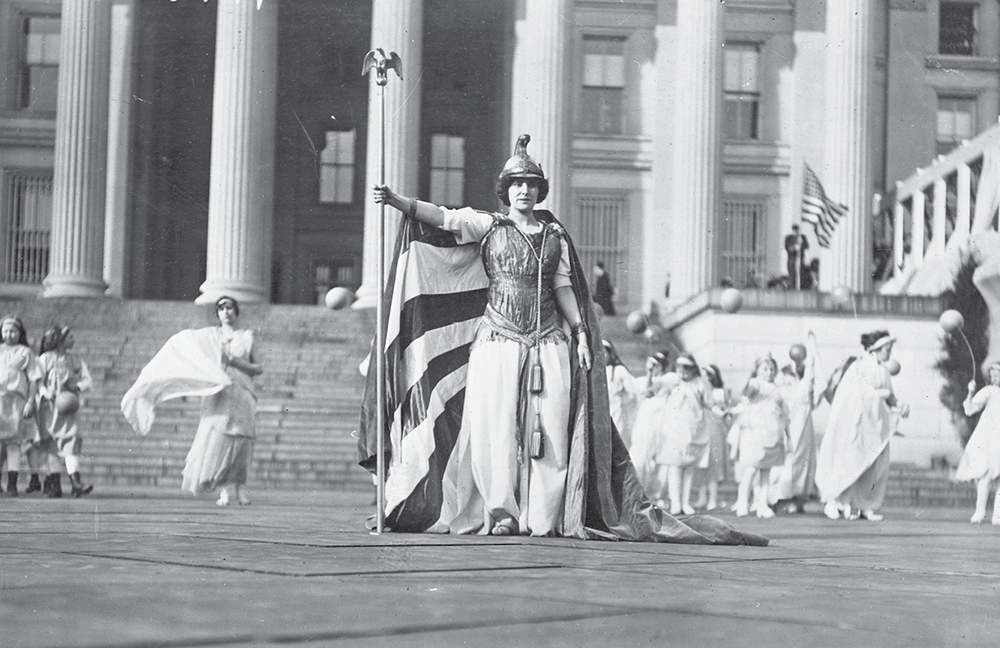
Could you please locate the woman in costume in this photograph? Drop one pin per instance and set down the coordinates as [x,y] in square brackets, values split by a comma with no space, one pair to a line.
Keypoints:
[853,463]
[516,416]
[217,363]
[758,437]
[981,460]
[535,452]
[794,482]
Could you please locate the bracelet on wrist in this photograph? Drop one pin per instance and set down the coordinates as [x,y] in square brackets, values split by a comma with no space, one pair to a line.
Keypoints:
[578,328]
[412,211]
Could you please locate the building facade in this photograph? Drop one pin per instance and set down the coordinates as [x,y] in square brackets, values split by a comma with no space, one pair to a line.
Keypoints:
[176,149]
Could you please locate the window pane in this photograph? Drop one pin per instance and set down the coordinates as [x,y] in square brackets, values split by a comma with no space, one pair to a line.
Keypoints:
[439,182]
[456,153]
[740,117]
[740,73]
[439,150]
[957,28]
[43,88]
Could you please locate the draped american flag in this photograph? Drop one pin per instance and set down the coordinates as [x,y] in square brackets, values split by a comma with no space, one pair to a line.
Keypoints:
[435,297]
[818,209]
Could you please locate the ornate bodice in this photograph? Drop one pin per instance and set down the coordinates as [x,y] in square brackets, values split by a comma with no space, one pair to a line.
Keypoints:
[511,258]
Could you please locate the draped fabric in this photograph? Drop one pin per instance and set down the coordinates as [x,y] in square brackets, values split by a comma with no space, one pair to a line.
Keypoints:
[436,294]
[189,364]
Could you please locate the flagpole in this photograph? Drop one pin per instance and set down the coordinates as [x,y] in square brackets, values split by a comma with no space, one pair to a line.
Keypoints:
[377,60]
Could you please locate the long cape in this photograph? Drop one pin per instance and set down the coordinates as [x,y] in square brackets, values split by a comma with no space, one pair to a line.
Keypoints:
[435,297]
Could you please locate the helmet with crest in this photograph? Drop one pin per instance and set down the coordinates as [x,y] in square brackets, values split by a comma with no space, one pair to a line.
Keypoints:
[521,166]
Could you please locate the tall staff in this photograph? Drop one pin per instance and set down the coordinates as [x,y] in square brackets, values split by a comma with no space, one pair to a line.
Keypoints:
[378,61]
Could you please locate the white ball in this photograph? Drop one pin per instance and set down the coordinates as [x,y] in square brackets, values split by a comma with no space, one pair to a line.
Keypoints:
[339,297]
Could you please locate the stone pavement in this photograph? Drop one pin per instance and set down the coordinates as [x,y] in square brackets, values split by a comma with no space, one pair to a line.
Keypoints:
[155,568]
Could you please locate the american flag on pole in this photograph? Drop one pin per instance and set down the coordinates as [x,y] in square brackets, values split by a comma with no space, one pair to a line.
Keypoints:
[818,209]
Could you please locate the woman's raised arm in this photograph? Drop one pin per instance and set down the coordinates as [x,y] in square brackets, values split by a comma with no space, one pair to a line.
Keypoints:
[424,212]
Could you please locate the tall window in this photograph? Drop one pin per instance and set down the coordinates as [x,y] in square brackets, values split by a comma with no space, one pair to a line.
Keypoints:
[743,259]
[603,85]
[336,168]
[956,121]
[603,232]
[741,119]
[39,63]
[27,224]
[957,28]
[447,170]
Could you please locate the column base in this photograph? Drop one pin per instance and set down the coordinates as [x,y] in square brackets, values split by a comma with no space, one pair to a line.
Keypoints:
[56,286]
[212,291]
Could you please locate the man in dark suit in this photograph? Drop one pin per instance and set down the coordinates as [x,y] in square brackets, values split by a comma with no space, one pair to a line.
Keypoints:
[796,245]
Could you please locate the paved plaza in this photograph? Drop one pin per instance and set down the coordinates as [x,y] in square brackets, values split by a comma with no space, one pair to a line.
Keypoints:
[157,569]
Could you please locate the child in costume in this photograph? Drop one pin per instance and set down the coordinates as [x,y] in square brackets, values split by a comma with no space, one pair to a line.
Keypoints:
[649,423]
[63,377]
[683,438]
[758,437]
[18,375]
[622,393]
[981,460]
[713,467]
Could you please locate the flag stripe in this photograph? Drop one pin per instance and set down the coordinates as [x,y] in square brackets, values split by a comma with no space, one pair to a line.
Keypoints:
[818,209]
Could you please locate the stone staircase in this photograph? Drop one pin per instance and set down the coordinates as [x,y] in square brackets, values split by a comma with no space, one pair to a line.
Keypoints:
[308,403]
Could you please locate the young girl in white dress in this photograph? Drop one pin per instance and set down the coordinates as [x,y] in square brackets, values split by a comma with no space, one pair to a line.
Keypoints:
[648,423]
[623,392]
[713,467]
[63,376]
[981,460]
[19,374]
[683,438]
[758,437]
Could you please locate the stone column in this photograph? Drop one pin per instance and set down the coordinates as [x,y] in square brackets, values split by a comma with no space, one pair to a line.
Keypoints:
[847,175]
[397,26]
[241,198]
[697,179]
[116,226]
[539,94]
[78,193]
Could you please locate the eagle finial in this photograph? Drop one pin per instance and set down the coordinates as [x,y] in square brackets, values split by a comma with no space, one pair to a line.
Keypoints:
[382,64]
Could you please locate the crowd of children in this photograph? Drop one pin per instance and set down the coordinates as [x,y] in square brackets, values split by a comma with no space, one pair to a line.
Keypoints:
[39,400]
[690,433]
